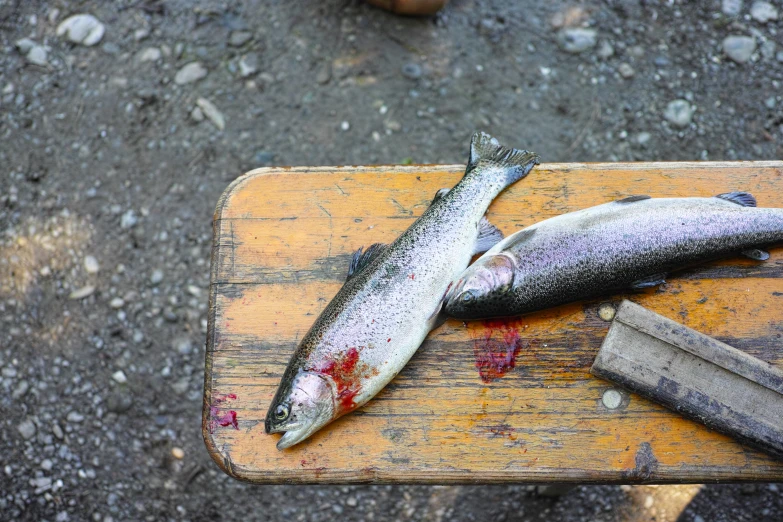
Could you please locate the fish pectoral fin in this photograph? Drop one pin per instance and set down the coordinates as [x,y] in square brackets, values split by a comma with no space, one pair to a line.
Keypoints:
[649,281]
[756,254]
[488,236]
[361,259]
[744,199]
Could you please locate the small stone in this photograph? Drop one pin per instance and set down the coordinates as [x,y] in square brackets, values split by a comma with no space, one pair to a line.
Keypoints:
[248,65]
[150,54]
[119,377]
[117,303]
[264,157]
[698,518]
[197,115]
[605,50]
[770,102]
[26,429]
[91,265]
[648,502]
[119,402]
[679,113]
[739,48]
[643,138]
[62,516]
[239,38]
[57,431]
[24,45]
[763,12]
[351,501]
[190,73]
[129,219]
[20,390]
[141,33]
[345,126]
[82,292]
[612,399]
[178,453]
[576,40]
[82,29]
[182,345]
[337,508]
[181,386]
[212,113]
[625,70]
[324,73]
[157,276]
[47,465]
[38,56]
[194,290]
[74,417]
[731,7]
[773,488]
[411,70]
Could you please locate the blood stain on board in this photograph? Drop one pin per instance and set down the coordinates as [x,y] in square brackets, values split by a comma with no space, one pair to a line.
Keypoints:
[496,349]
[220,417]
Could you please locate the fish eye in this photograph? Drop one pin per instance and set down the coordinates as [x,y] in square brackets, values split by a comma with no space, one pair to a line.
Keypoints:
[468,297]
[282,411]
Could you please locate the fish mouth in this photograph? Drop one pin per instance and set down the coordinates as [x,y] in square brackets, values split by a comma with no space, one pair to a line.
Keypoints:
[291,438]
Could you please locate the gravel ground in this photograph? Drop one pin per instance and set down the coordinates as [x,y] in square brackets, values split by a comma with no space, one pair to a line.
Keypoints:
[119,131]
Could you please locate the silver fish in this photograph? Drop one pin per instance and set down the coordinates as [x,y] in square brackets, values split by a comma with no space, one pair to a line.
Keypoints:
[393,297]
[627,244]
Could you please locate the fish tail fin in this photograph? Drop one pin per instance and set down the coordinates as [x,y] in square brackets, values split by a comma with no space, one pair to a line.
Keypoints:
[516,163]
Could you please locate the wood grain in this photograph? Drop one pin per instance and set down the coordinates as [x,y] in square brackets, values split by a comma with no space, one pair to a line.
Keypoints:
[282,242]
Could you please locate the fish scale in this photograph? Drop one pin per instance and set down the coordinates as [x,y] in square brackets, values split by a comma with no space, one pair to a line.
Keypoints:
[391,300]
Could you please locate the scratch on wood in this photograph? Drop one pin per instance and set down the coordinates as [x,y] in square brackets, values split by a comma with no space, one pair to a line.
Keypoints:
[344,193]
[233,249]
[331,230]
[403,210]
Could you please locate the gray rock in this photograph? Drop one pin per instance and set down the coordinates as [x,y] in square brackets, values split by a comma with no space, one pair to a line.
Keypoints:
[605,50]
[679,113]
[212,113]
[38,56]
[324,73]
[625,70]
[57,431]
[21,390]
[411,70]
[239,38]
[182,344]
[150,54]
[197,115]
[181,386]
[763,12]
[577,39]
[119,402]
[82,29]
[190,73]
[26,429]
[74,416]
[47,465]
[770,102]
[731,7]
[779,56]
[119,377]
[82,292]
[117,303]
[739,48]
[129,219]
[24,45]
[248,65]
[91,265]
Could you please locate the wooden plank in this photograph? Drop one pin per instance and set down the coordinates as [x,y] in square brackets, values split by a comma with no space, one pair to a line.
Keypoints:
[695,375]
[459,412]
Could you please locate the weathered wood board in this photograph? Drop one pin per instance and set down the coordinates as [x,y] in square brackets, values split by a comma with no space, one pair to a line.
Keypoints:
[483,402]
[695,375]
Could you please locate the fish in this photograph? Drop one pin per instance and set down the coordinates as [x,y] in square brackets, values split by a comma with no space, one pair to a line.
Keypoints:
[629,244]
[392,298]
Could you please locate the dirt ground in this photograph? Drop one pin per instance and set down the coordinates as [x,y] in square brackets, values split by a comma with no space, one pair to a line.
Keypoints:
[114,155]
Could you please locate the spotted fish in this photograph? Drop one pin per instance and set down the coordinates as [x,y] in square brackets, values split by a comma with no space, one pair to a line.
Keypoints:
[632,243]
[392,298]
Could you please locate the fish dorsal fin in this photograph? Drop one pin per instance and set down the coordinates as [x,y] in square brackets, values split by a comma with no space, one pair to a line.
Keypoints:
[740,198]
[633,199]
[488,236]
[362,259]
[439,194]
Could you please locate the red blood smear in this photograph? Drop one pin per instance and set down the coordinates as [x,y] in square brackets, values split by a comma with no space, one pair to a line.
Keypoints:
[218,418]
[346,376]
[495,357]
[229,419]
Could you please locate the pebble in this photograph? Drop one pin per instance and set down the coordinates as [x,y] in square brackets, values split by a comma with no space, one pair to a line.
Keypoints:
[157,276]
[779,56]
[576,40]
[117,303]
[38,56]
[190,73]
[197,115]
[679,113]
[605,50]
[739,48]
[21,389]
[770,102]
[212,113]
[82,292]
[182,345]
[129,219]
[57,431]
[91,265]
[731,7]
[239,38]
[74,417]
[649,501]
[351,501]
[698,518]
[763,12]
[178,453]
[119,402]
[625,70]
[26,429]
[345,126]
[324,73]
[82,29]
[248,65]
[411,70]
[119,377]
[47,465]
[150,54]
[643,138]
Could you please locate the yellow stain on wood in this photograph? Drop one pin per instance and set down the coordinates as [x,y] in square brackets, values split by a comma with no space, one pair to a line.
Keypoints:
[283,240]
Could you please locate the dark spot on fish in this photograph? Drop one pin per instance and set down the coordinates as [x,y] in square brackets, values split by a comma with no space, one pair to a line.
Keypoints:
[495,357]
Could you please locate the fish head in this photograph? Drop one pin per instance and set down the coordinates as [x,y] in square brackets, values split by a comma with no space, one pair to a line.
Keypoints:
[301,408]
[482,289]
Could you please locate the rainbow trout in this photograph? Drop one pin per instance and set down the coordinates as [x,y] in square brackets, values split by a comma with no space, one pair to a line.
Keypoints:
[632,243]
[392,298]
